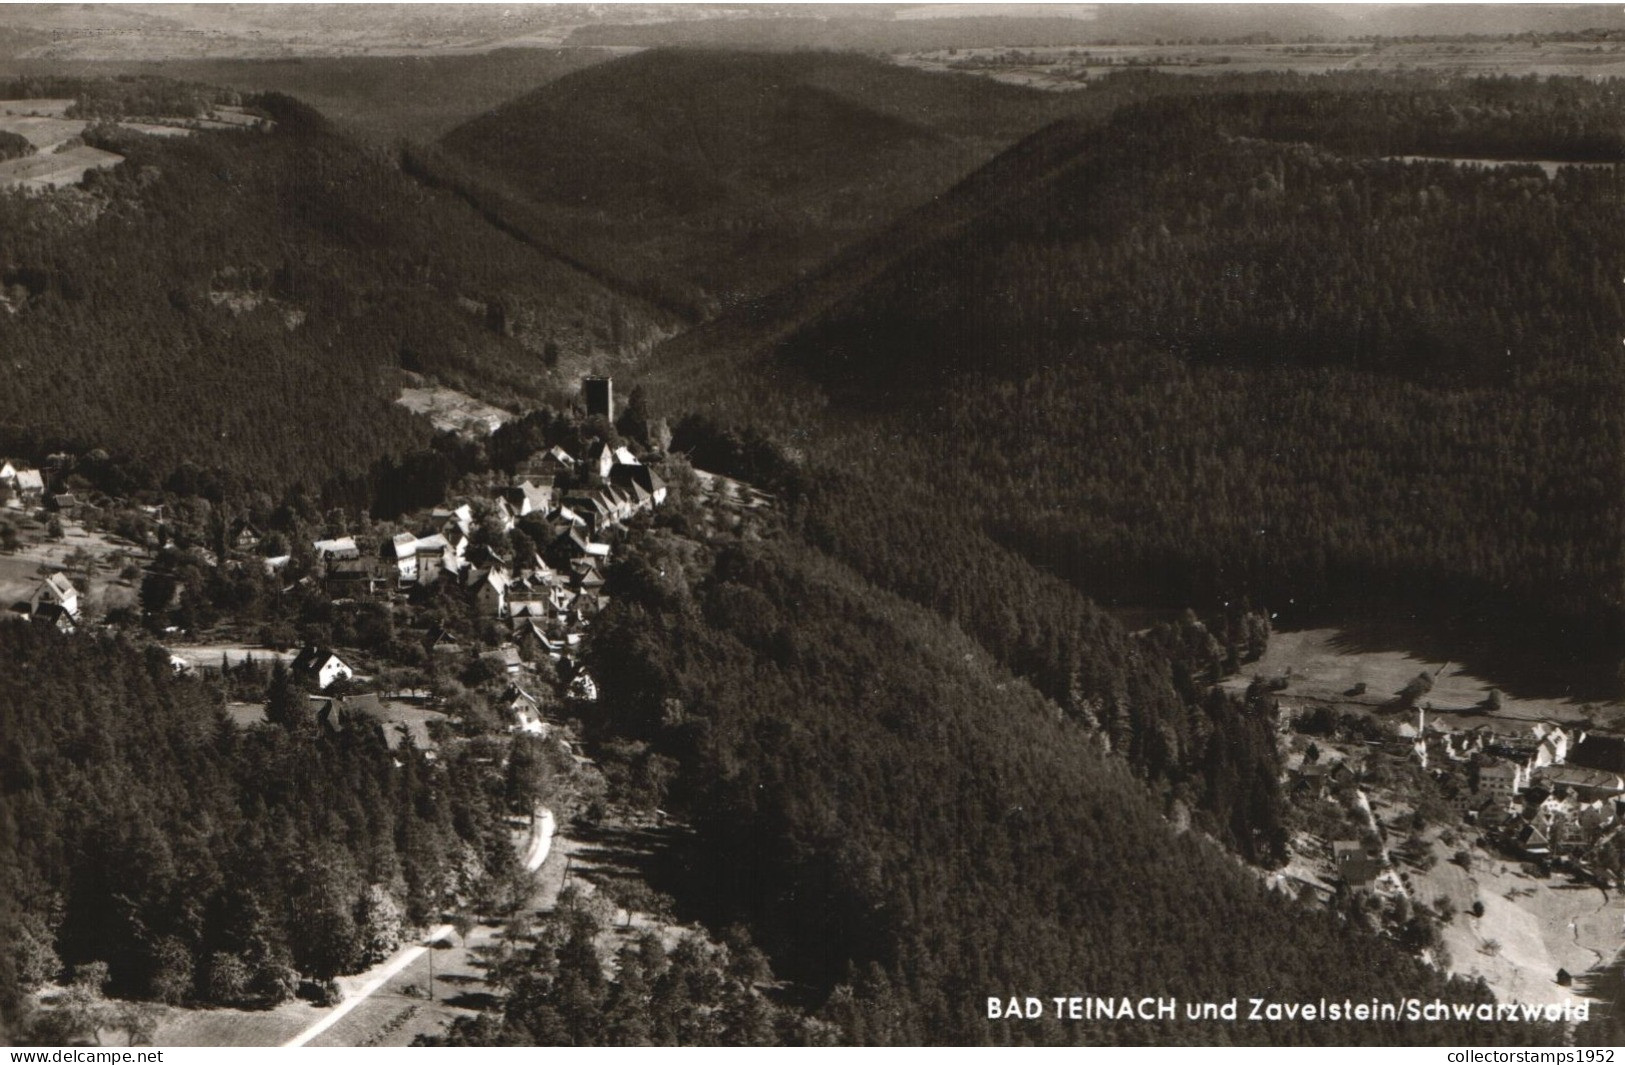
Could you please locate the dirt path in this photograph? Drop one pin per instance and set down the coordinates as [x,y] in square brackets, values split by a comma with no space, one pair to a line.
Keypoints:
[1574,927]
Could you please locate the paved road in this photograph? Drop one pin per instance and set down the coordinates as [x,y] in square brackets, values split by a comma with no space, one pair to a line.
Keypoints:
[403,957]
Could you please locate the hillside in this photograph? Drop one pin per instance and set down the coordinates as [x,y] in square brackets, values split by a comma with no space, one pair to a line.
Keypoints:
[243,302]
[711,177]
[906,828]
[1221,348]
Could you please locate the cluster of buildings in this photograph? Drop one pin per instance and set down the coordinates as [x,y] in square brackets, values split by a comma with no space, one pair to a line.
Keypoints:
[544,596]
[21,487]
[1539,788]
[25,487]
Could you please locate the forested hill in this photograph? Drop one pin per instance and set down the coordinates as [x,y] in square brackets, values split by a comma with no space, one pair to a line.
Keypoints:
[710,177]
[908,828]
[1221,347]
[243,301]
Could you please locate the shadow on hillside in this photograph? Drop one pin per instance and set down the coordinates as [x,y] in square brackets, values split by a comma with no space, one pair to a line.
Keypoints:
[1524,662]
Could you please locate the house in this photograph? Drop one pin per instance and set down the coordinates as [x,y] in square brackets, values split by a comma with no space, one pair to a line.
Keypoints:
[347,577]
[1532,840]
[55,591]
[490,591]
[525,711]
[402,550]
[512,661]
[546,467]
[505,513]
[339,548]
[1310,777]
[399,726]
[29,486]
[460,517]
[331,712]
[243,535]
[53,614]
[1586,784]
[624,456]
[529,632]
[67,504]
[433,555]
[639,477]
[441,642]
[527,497]
[1360,874]
[321,667]
[1502,780]
[600,459]
[597,510]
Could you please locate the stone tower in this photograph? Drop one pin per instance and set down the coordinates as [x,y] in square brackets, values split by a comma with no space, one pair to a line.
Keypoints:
[599,393]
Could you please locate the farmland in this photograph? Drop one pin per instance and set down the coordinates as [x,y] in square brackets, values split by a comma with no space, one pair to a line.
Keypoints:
[61,160]
[1070,68]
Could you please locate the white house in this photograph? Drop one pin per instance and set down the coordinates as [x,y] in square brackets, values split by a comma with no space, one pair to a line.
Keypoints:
[55,591]
[324,667]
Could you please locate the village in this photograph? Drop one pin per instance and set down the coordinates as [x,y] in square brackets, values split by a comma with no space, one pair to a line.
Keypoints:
[1480,831]
[527,613]
[444,626]
[1427,814]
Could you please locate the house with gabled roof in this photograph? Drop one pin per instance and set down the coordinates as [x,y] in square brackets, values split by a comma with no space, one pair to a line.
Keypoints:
[244,535]
[546,466]
[28,486]
[641,479]
[337,549]
[320,667]
[55,591]
[402,550]
[525,711]
[490,590]
[600,459]
[440,641]
[460,517]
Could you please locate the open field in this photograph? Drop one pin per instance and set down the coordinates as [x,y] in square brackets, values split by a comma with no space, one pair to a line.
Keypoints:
[234,1028]
[453,411]
[44,132]
[22,571]
[56,169]
[1324,667]
[1521,941]
[1072,67]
